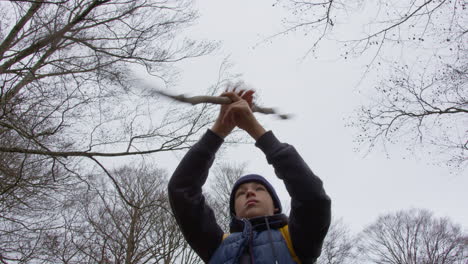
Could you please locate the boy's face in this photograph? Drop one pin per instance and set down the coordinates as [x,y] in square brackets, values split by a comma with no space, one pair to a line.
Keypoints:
[252,199]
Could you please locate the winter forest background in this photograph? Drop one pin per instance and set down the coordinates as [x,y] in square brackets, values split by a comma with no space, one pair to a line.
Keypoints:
[87,147]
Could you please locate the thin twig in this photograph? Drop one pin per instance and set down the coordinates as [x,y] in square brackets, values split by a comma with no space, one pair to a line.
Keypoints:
[116,184]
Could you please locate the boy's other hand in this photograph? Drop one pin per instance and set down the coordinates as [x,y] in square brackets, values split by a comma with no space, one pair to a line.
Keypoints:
[239,113]
[223,127]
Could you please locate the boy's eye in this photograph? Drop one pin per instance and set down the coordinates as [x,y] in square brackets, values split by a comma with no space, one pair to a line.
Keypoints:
[260,189]
[240,193]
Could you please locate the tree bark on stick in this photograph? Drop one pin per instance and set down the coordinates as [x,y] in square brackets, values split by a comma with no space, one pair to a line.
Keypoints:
[208,99]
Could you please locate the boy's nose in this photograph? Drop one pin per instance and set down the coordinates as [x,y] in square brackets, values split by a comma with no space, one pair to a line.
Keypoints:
[250,193]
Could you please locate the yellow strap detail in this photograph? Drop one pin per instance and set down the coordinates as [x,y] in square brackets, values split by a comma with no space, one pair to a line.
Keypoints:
[225,235]
[285,232]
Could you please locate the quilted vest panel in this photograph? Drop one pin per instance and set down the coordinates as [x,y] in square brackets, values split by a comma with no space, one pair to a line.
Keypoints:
[260,246]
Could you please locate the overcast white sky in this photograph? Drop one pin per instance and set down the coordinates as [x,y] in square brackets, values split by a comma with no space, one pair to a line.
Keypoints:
[322,95]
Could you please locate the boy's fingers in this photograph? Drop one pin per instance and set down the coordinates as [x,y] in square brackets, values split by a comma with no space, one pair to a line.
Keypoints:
[233,96]
[225,116]
[242,94]
[229,113]
[248,96]
[249,101]
[249,93]
[228,95]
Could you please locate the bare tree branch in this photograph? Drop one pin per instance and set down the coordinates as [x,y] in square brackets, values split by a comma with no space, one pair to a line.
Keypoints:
[66,154]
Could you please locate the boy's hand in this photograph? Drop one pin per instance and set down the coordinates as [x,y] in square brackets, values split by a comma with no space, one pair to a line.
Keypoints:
[224,127]
[239,113]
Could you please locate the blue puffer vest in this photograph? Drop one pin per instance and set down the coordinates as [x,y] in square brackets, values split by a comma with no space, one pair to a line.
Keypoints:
[266,246]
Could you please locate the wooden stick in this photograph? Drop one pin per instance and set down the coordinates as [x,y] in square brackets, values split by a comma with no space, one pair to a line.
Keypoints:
[203,99]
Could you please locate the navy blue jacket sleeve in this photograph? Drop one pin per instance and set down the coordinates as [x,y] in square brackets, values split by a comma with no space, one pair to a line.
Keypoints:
[310,214]
[194,217]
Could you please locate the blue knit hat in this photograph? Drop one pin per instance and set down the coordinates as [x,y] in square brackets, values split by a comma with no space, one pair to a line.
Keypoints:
[254,178]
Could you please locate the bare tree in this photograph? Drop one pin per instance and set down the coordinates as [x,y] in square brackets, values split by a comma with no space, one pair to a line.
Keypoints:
[392,23]
[99,227]
[423,42]
[146,233]
[414,236]
[429,110]
[225,175]
[338,245]
[66,78]
[67,63]
[314,19]
[30,205]
[68,97]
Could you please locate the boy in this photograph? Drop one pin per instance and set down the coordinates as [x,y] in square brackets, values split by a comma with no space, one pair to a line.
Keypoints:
[259,232]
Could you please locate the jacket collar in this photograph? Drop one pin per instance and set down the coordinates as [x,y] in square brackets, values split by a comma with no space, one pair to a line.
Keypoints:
[259,223]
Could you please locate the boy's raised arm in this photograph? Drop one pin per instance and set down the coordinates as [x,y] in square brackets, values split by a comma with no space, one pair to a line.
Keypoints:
[194,217]
[310,214]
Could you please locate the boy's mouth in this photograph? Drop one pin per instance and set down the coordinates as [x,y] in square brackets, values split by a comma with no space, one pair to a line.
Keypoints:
[251,202]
